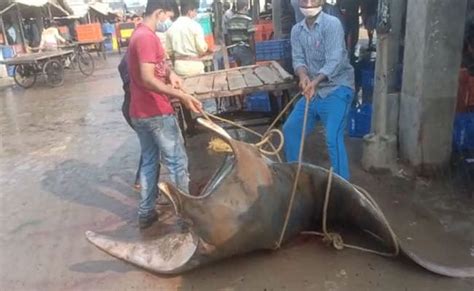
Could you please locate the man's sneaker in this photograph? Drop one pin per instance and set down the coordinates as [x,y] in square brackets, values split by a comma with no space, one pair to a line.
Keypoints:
[145,222]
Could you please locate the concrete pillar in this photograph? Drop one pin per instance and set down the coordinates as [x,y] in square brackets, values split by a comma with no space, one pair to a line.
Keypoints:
[434,34]
[276,16]
[380,146]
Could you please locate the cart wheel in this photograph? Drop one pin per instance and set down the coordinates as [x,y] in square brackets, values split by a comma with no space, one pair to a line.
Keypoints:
[86,63]
[24,75]
[54,72]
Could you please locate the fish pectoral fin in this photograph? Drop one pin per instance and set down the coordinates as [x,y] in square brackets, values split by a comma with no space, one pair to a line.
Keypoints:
[168,254]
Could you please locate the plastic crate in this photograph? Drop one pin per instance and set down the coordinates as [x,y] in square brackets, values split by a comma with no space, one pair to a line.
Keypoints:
[108,45]
[463,132]
[89,32]
[205,22]
[367,78]
[359,120]
[273,50]
[263,31]
[258,102]
[108,28]
[8,52]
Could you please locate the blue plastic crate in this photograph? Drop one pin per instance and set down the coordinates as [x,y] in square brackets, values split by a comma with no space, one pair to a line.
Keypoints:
[108,46]
[463,132]
[367,82]
[359,120]
[11,71]
[108,28]
[258,102]
[8,52]
[273,50]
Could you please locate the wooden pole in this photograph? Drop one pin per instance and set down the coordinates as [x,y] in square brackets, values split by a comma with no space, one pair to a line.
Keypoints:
[3,30]
[256,10]
[276,15]
[20,23]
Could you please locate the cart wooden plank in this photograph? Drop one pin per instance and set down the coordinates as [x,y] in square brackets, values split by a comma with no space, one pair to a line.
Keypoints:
[205,85]
[267,75]
[190,84]
[283,74]
[220,82]
[35,57]
[236,80]
[250,78]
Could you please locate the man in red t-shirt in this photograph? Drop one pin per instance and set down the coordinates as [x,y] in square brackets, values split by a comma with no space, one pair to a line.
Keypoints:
[152,115]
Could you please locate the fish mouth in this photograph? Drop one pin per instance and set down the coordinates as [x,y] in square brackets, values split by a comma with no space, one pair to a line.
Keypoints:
[177,195]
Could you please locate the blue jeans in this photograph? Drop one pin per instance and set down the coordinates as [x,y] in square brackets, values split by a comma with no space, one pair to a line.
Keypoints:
[160,140]
[332,111]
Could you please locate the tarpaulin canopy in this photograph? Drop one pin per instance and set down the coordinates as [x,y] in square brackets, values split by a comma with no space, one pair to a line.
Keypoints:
[102,8]
[51,5]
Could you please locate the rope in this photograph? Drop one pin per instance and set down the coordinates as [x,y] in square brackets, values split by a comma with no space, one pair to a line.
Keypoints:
[265,139]
[336,239]
[297,176]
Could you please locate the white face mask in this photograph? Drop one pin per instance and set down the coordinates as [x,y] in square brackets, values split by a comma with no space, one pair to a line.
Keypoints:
[311,12]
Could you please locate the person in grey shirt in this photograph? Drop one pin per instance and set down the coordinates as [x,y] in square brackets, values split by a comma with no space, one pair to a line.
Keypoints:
[326,80]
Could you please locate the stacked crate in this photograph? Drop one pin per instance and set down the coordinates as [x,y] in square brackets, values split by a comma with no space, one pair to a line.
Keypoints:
[108,31]
[206,24]
[263,30]
[89,32]
[8,52]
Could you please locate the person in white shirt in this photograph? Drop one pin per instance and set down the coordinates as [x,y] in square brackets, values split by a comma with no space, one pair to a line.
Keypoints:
[185,42]
[50,37]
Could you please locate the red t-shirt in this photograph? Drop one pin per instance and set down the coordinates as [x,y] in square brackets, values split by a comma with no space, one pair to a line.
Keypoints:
[145,47]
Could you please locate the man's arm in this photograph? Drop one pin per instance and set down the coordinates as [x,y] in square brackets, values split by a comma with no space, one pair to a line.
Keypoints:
[200,41]
[299,62]
[58,36]
[149,81]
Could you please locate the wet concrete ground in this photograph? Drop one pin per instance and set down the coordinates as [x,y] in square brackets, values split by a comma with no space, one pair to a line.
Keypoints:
[67,163]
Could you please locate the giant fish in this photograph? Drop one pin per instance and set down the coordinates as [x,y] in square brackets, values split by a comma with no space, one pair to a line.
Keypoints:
[243,209]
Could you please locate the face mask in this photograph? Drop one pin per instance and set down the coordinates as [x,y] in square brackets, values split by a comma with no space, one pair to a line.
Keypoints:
[163,26]
[311,12]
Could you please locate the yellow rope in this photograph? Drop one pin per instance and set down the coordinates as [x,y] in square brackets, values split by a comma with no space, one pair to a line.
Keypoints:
[264,138]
